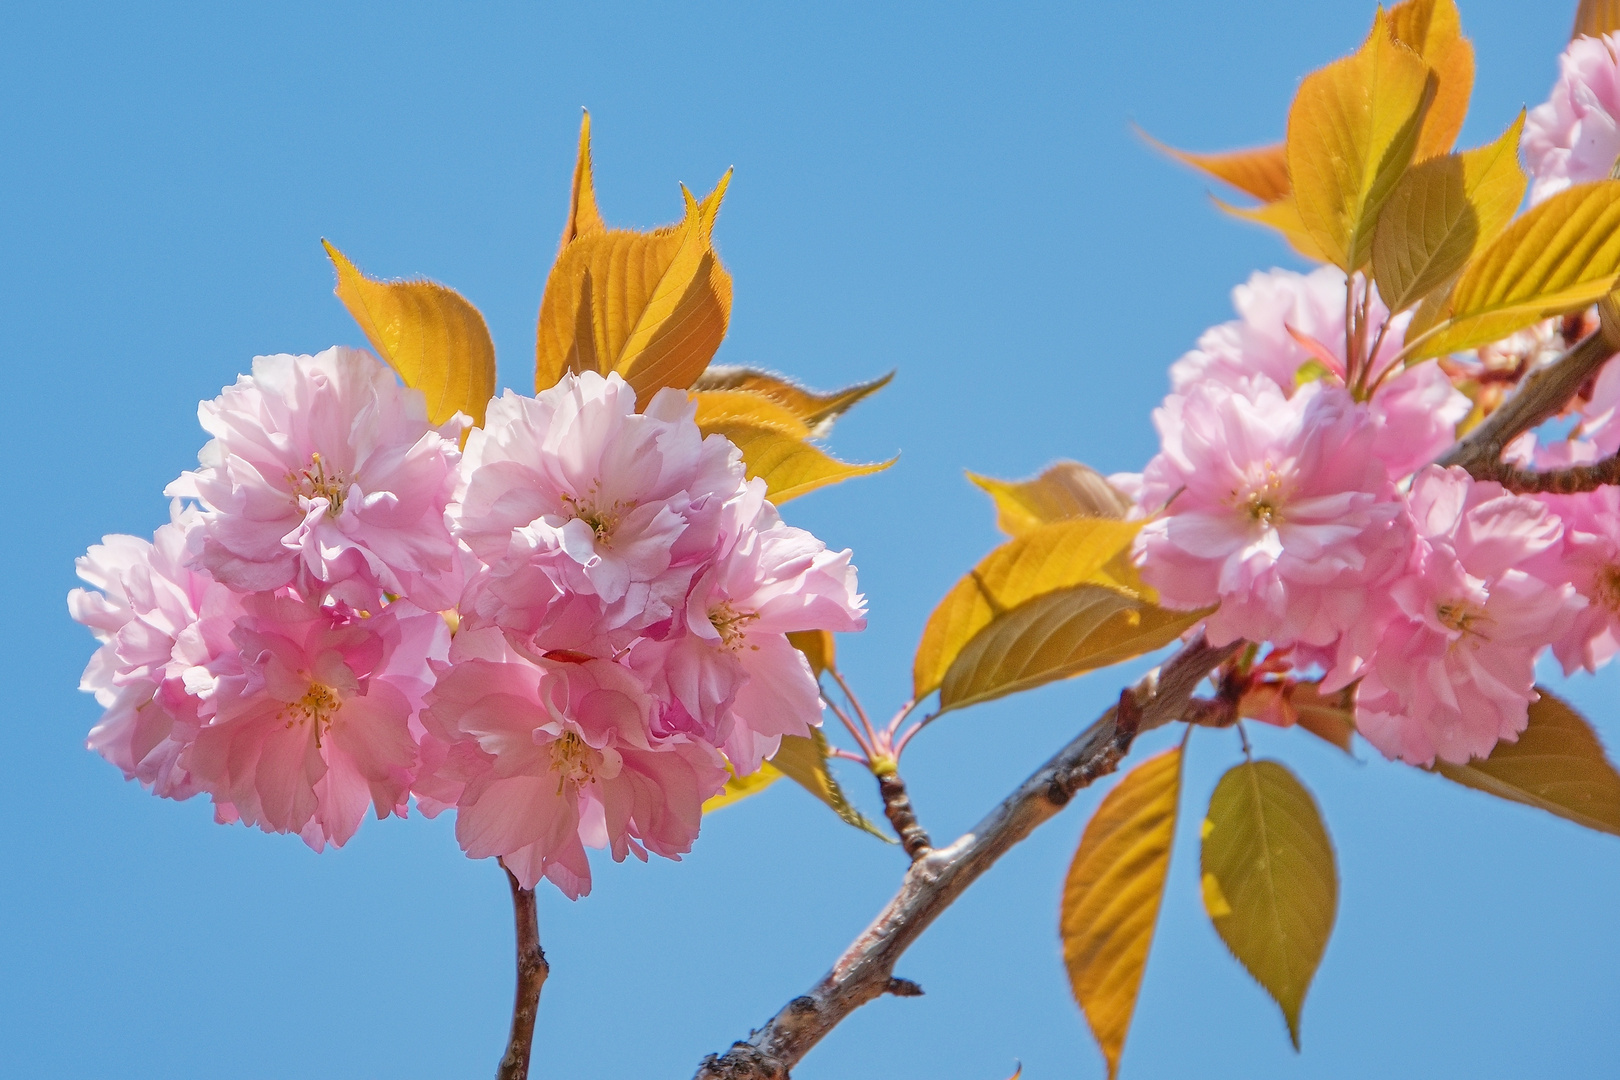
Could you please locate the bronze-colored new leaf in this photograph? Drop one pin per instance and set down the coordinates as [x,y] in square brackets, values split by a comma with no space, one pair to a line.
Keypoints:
[1330,717]
[1261,171]
[1440,213]
[430,335]
[1433,29]
[789,465]
[816,410]
[1352,131]
[1112,895]
[1052,603]
[1560,256]
[1594,18]
[1062,491]
[1557,764]
[1270,883]
[651,306]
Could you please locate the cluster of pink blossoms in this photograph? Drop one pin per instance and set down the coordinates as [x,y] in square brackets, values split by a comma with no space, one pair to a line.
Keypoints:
[620,596]
[1311,517]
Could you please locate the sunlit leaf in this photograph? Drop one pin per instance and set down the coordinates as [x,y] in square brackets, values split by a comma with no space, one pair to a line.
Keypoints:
[1352,131]
[1112,894]
[817,410]
[1440,213]
[1560,256]
[1595,18]
[583,216]
[1062,491]
[1433,29]
[1270,883]
[818,648]
[1557,764]
[719,407]
[804,761]
[1282,215]
[651,306]
[790,466]
[1261,171]
[1057,601]
[429,334]
[739,788]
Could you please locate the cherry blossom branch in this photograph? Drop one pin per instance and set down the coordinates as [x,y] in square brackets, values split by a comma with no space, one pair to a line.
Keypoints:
[897,806]
[532,970]
[1544,395]
[866,970]
[1568,481]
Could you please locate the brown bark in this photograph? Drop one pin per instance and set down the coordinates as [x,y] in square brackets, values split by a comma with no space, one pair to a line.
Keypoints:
[532,970]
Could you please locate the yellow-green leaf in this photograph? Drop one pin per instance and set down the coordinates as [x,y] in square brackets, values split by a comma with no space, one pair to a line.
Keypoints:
[739,788]
[429,334]
[1112,895]
[818,648]
[1595,18]
[804,761]
[790,466]
[1440,213]
[1282,215]
[1059,600]
[1560,256]
[1261,171]
[1433,29]
[817,410]
[1352,131]
[1557,764]
[1062,491]
[1270,883]
[651,306]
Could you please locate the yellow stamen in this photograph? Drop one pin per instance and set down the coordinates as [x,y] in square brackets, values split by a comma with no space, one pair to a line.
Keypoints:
[730,623]
[318,705]
[572,760]
[315,483]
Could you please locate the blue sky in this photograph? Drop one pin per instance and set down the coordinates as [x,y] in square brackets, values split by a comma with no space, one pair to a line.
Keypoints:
[946,189]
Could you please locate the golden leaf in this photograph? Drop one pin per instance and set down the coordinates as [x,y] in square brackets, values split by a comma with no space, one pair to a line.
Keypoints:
[583,216]
[818,648]
[1062,491]
[1560,256]
[1261,171]
[1112,895]
[1269,880]
[1352,130]
[1440,213]
[1282,215]
[1557,765]
[739,788]
[789,465]
[721,407]
[429,334]
[651,306]
[1595,18]
[1433,29]
[1054,602]
[817,410]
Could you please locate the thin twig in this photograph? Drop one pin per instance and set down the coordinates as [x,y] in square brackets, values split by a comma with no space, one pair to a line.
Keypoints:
[532,970]
[855,703]
[897,807]
[933,883]
[1543,395]
[1568,481]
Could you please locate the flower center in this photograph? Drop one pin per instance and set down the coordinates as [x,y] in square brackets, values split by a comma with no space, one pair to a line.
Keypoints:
[730,623]
[572,760]
[317,706]
[314,482]
[1265,500]
[602,518]
[1463,618]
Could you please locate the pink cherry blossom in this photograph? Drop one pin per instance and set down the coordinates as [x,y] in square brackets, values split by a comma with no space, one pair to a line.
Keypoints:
[1415,410]
[1454,668]
[1574,137]
[574,494]
[1589,559]
[728,664]
[324,470]
[165,634]
[322,720]
[545,759]
[1273,507]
